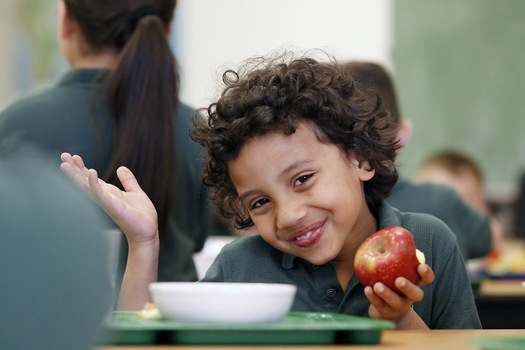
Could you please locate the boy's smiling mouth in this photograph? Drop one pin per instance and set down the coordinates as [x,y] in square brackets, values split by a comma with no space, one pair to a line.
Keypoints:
[310,236]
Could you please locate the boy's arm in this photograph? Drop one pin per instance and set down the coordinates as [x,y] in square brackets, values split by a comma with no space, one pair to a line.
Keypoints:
[141,270]
[136,216]
[387,304]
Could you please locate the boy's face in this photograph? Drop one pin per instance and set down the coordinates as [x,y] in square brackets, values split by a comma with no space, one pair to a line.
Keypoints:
[305,197]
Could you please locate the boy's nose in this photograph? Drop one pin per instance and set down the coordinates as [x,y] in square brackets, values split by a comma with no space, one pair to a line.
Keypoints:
[288,215]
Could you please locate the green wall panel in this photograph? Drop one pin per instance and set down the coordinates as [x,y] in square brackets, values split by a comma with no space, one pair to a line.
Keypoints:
[459,68]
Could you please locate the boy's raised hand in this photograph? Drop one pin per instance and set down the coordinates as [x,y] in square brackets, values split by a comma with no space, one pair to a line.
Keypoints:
[389,305]
[136,216]
[131,209]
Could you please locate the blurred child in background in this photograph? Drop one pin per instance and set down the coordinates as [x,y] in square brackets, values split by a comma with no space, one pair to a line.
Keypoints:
[460,172]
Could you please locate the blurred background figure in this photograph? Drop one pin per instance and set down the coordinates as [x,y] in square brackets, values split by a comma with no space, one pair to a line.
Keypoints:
[514,246]
[463,174]
[458,171]
[56,288]
[471,226]
[118,105]
[519,209]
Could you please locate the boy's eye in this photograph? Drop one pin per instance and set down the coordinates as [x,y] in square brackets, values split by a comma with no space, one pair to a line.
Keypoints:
[259,203]
[302,179]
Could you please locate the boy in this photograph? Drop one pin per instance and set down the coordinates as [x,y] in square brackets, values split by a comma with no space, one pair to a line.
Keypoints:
[296,150]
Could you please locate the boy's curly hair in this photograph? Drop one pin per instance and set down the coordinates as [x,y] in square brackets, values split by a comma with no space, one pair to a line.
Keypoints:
[270,95]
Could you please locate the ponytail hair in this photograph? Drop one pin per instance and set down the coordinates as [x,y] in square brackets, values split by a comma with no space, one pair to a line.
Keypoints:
[142,89]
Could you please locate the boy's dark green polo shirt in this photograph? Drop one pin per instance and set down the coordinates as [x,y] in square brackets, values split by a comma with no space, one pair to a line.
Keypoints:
[448,301]
[72,117]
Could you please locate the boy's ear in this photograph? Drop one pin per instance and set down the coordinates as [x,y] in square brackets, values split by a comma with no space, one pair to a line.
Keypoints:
[366,172]
[404,132]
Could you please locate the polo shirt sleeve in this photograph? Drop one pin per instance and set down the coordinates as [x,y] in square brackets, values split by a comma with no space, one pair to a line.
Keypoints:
[216,272]
[453,305]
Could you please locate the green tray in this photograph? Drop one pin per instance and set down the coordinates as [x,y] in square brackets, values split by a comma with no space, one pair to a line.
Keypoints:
[296,328]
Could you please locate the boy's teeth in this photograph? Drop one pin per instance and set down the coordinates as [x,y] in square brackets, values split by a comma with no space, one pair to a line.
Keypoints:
[307,235]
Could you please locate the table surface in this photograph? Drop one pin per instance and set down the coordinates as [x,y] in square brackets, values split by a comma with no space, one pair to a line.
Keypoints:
[503,287]
[391,339]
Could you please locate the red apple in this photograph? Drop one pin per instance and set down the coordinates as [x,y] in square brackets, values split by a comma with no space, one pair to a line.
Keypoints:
[386,255]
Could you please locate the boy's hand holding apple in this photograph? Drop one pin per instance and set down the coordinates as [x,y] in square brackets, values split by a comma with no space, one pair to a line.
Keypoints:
[392,269]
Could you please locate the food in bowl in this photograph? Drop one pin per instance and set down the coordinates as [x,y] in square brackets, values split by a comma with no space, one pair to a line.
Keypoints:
[223,301]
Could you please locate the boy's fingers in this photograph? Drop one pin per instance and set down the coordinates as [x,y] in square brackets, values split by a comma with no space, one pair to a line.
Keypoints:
[411,291]
[94,185]
[374,298]
[128,180]
[68,170]
[391,298]
[425,273]
[74,175]
[76,163]
[79,163]
[65,157]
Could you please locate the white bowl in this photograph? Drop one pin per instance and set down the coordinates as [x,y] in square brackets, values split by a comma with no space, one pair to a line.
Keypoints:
[223,302]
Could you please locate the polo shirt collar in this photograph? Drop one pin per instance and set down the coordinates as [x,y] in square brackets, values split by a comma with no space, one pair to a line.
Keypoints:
[84,75]
[288,261]
[388,216]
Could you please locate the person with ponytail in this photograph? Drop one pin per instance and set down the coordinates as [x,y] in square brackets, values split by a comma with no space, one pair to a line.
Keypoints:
[118,106]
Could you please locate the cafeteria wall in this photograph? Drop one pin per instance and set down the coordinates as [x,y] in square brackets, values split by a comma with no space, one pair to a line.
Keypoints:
[459,68]
[29,58]
[6,27]
[212,35]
